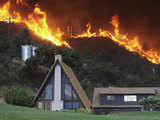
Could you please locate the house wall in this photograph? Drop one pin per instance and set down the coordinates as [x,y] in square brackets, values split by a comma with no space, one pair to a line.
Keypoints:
[119,100]
[158,93]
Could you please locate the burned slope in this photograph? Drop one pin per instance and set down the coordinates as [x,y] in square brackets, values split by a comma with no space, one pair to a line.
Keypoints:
[106,63]
[117,53]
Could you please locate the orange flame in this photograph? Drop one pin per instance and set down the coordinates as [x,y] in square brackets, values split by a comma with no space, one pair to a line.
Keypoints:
[4,12]
[88,33]
[115,23]
[19,1]
[36,22]
[22,2]
[132,45]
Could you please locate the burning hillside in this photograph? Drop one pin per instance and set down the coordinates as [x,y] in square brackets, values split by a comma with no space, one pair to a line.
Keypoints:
[36,21]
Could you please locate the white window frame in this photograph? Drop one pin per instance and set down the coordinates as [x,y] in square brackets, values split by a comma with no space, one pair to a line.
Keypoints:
[130,98]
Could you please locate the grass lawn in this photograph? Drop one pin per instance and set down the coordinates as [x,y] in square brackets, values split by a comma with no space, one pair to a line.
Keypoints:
[9,112]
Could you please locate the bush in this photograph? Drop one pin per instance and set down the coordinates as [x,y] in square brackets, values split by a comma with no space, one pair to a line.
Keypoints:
[149,103]
[19,95]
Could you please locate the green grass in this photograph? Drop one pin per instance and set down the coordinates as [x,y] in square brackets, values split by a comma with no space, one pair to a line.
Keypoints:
[135,116]
[10,112]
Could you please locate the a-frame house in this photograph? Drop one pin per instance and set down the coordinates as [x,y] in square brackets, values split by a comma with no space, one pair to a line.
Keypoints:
[61,89]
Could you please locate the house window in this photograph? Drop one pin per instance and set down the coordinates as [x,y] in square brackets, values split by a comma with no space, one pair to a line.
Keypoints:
[75,97]
[48,92]
[110,97]
[68,92]
[130,98]
[68,105]
[76,104]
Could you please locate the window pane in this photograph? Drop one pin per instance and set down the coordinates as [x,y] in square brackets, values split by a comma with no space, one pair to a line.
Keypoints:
[76,105]
[129,98]
[64,78]
[42,95]
[74,95]
[110,97]
[68,105]
[52,80]
[68,92]
[48,92]
[48,89]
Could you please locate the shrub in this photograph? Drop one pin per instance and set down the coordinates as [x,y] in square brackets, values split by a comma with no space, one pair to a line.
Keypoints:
[19,95]
[149,103]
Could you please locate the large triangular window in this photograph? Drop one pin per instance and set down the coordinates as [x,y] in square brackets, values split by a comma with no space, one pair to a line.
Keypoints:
[69,95]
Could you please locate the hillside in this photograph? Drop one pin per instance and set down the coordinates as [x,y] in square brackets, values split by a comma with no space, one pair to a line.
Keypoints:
[97,62]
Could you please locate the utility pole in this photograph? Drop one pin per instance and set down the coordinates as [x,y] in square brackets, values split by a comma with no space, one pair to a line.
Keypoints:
[69,30]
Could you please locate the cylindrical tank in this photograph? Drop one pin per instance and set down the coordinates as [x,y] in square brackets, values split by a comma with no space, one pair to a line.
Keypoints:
[33,50]
[26,52]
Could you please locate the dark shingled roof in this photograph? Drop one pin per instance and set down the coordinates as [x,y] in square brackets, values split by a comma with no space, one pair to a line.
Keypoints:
[120,90]
[72,78]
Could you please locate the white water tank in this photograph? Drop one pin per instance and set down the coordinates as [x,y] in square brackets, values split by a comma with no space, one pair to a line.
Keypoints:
[28,51]
[34,50]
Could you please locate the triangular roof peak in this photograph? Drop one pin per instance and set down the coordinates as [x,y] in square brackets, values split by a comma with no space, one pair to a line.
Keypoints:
[58,58]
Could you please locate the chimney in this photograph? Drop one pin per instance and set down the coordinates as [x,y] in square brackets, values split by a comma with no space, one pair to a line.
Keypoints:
[59,58]
[58,103]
